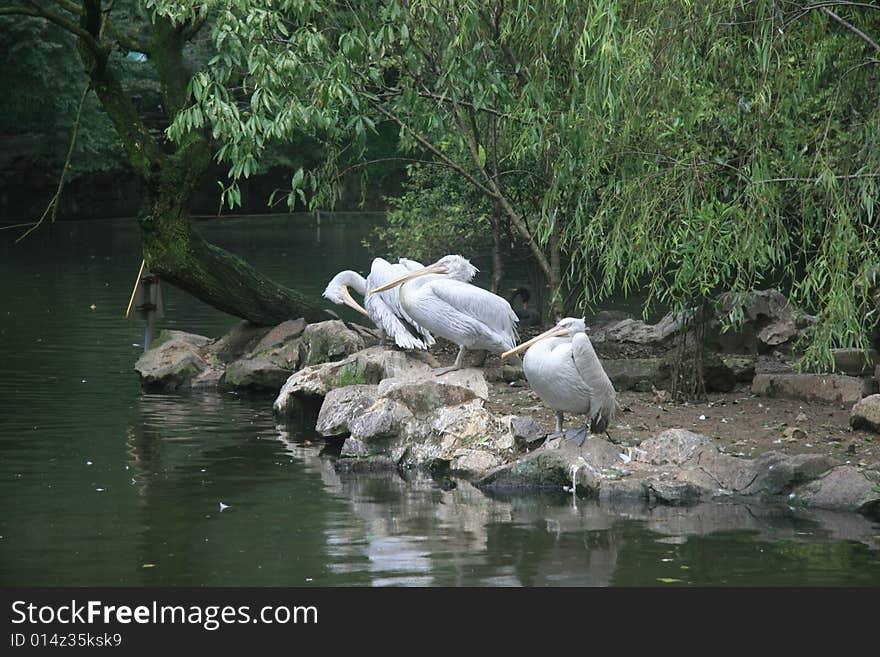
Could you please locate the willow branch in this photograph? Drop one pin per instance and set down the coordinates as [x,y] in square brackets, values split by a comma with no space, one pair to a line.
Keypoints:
[852,28]
[54,202]
[412,160]
[435,151]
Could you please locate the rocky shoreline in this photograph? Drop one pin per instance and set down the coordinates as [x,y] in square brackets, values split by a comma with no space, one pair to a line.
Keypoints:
[385,409]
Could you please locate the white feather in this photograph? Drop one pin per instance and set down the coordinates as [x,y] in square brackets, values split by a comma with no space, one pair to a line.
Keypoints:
[385,309]
[463,313]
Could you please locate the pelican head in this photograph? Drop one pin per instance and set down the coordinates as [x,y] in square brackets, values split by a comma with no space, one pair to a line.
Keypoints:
[566,328]
[337,289]
[454,266]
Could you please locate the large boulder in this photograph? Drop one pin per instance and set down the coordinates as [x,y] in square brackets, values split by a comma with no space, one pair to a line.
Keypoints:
[280,335]
[240,340]
[175,360]
[638,332]
[769,322]
[333,340]
[416,419]
[341,406]
[833,388]
[635,373]
[865,414]
[370,365]
[255,373]
[844,488]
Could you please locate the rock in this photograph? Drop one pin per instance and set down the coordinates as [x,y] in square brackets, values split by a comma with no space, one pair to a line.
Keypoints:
[769,322]
[776,474]
[331,341]
[523,429]
[424,395]
[675,446]
[776,333]
[606,317]
[832,388]
[512,373]
[255,373]
[674,493]
[354,447]
[474,461]
[286,357]
[315,381]
[794,434]
[638,332]
[281,334]
[843,488]
[854,362]
[554,466]
[385,418]
[399,364]
[176,360]
[540,469]
[243,337]
[341,406]
[635,373]
[865,414]
[742,369]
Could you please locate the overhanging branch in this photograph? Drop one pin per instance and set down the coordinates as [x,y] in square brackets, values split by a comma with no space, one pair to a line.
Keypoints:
[37,11]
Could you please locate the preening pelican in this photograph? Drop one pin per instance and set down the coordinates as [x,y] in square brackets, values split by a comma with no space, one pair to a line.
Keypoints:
[440,299]
[562,367]
[385,310]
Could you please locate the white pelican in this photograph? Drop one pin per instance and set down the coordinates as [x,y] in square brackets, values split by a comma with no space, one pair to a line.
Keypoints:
[440,299]
[385,310]
[562,367]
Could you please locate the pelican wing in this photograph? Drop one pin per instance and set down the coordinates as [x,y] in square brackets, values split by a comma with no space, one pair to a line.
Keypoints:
[480,304]
[603,398]
[386,311]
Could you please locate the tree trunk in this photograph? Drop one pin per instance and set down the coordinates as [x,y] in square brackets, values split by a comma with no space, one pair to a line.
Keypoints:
[555,278]
[172,247]
[175,250]
[497,263]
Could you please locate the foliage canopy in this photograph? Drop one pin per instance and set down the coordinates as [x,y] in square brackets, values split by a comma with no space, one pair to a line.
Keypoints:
[674,146]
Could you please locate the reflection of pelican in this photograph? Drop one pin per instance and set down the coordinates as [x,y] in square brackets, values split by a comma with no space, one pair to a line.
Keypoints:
[439,298]
[562,367]
[527,316]
[384,310]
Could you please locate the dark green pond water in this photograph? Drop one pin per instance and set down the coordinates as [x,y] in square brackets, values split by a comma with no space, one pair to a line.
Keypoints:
[103,484]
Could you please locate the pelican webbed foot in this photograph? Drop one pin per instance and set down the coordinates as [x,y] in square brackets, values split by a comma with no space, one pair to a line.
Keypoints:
[578,435]
[455,366]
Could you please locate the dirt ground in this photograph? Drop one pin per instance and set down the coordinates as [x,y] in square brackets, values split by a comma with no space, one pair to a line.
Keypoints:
[742,424]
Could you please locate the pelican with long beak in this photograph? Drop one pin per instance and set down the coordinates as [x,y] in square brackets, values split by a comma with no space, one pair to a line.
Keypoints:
[562,367]
[385,311]
[440,298]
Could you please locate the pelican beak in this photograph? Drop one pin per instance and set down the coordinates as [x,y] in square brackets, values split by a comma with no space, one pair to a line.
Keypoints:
[431,269]
[349,301]
[552,333]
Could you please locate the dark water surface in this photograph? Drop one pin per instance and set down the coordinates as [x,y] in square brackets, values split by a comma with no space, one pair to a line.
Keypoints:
[103,484]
